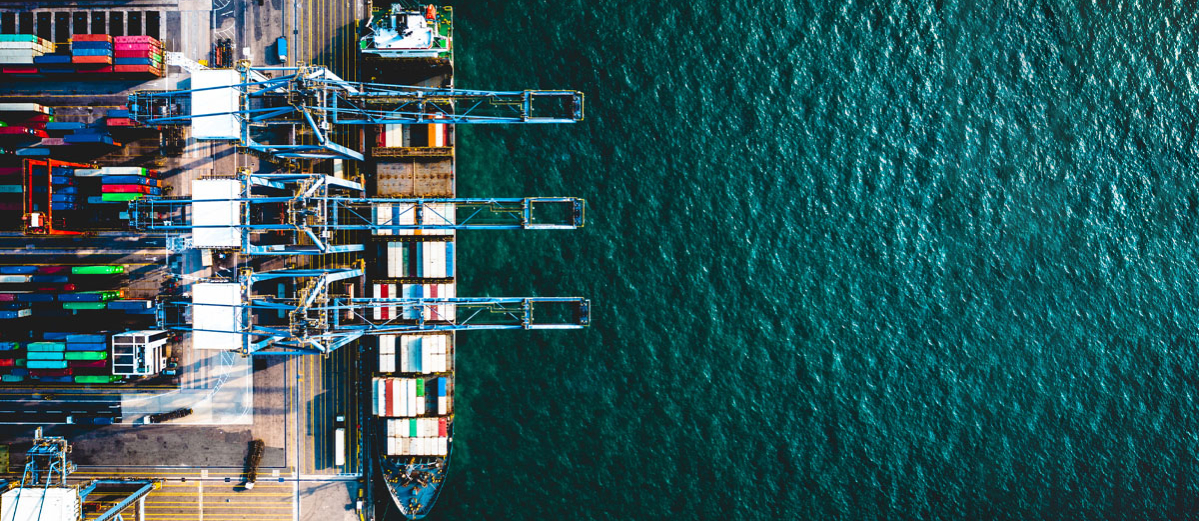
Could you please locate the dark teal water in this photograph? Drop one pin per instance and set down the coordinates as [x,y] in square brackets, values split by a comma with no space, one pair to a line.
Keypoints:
[927,260]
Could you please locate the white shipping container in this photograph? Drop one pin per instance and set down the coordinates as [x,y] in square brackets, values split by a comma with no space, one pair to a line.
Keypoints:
[399,407]
[387,344]
[28,107]
[412,399]
[377,313]
[392,447]
[382,217]
[434,259]
[381,392]
[443,446]
[406,215]
[394,254]
[15,278]
[443,405]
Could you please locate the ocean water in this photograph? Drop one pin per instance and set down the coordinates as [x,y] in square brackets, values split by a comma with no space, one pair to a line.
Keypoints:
[848,260]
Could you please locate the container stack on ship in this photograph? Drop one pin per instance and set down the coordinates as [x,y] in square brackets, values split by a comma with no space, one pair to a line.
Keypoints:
[413,388]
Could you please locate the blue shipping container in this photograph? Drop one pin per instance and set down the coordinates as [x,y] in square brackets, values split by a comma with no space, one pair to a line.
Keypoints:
[20,371]
[52,279]
[130,304]
[87,347]
[91,52]
[131,61]
[62,180]
[9,314]
[17,270]
[52,58]
[88,138]
[86,338]
[118,113]
[76,46]
[57,379]
[441,386]
[62,206]
[67,190]
[62,198]
[7,346]
[64,125]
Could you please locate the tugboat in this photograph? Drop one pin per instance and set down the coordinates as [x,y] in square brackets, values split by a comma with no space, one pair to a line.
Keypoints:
[405,32]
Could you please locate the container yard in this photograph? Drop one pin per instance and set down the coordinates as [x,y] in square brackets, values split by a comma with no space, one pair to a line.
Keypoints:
[214,240]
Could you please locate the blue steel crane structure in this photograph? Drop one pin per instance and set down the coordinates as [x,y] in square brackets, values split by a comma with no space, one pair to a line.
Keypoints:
[318,319]
[316,98]
[316,208]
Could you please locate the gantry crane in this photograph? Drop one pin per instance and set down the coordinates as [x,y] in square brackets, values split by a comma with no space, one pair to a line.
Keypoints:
[243,104]
[305,214]
[43,492]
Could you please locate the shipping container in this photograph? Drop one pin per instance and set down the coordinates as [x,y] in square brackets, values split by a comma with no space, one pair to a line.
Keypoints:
[86,355]
[9,314]
[18,270]
[46,346]
[84,305]
[87,347]
[15,279]
[45,355]
[11,378]
[86,337]
[97,270]
[130,304]
[89,364]
[36,366]
[98,379]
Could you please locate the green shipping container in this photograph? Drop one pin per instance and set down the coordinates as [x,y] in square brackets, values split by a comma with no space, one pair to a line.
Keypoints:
[94,379]
[46,346]
[97,270]
[119,198]
[84,305]
[420,387]
[45,355]
[87,355]
[411,428]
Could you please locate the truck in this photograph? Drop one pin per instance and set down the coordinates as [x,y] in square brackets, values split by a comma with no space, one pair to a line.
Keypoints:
[253,458]
[339,441]
[281,49]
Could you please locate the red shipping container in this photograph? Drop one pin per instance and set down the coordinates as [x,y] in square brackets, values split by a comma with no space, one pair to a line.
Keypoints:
[50,372]
[106,60]
[8,297]
[136,39]
[91,38]
[7,362]
[142,69]
[125,189]
[26,69]
[136,47]
[10,207]
[89,363]
[22,131]
[10,170]
[123,53]
[118,122]
[441,430]
[62,287]
[47,270]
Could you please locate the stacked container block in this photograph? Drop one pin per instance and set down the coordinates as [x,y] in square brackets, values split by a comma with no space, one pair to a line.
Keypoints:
[442,311]
[420,259]
[18,52]
[92,53]
[409,397]
[418,437]
[139,54]
[123,183]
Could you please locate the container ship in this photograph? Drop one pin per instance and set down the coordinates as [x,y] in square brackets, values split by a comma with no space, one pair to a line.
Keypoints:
[413,385]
